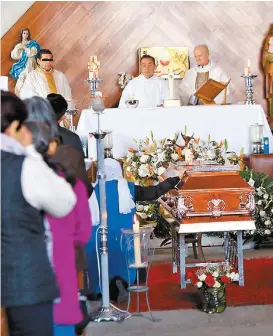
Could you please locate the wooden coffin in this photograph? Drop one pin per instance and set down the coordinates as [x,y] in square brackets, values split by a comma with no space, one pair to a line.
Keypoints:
[211,201]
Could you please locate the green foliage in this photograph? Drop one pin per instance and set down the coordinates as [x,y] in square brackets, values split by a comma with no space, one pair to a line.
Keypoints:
[226,144]
[162,228]
[264,205]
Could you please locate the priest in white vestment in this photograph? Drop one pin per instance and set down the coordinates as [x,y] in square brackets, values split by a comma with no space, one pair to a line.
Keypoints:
[45,79]
[147,88]
[197,76]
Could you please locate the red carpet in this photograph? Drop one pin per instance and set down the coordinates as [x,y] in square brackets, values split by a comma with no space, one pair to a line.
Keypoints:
[165,292]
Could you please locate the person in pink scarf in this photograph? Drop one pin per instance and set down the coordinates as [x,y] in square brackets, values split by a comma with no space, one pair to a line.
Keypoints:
[67,232]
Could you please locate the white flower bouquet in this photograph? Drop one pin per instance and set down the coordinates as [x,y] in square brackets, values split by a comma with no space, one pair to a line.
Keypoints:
[213,276]
[264,205]
[149,161]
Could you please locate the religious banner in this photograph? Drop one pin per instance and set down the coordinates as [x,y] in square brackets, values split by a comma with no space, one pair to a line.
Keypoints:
[168,58]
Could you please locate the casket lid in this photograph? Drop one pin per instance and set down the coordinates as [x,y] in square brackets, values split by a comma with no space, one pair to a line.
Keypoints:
[197,182]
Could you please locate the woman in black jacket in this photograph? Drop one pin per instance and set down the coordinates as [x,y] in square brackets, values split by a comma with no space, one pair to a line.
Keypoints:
[154,192]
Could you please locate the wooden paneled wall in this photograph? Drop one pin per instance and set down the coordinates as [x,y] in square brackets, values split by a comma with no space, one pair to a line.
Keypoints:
[114,31]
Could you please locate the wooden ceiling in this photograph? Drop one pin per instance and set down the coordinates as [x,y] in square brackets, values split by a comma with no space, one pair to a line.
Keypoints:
[114,31]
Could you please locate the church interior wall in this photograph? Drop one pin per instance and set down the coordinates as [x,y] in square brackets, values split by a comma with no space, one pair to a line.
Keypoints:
[114,31]
[11,11]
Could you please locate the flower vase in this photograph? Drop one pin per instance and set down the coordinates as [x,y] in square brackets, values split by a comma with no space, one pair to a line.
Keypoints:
[214,300]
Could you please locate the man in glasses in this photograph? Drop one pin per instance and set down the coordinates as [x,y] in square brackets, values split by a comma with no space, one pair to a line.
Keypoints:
[45,79]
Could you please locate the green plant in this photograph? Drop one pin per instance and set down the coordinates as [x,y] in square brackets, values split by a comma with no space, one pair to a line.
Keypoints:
[264,205]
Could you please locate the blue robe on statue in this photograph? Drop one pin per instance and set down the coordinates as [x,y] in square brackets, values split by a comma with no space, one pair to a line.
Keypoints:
[116,222]
[19,67]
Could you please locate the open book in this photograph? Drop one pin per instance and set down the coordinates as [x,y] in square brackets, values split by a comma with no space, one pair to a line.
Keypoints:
[210,90]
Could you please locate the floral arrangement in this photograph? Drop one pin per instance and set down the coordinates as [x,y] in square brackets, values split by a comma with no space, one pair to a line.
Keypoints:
[212,151]
[145,164]
[145,210]
[213,276]
[264,205]
[208,150]
[148,162]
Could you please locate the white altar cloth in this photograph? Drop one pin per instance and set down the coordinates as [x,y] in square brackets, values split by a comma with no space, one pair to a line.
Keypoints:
[221,122]
[217,227]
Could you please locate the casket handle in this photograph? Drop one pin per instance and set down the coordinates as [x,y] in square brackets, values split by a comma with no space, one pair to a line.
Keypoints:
[216,206]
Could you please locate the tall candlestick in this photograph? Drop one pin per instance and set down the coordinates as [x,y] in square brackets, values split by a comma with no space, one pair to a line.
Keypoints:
[137,250]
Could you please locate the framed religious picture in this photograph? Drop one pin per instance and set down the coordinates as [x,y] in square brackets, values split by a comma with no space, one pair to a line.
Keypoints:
[168,58]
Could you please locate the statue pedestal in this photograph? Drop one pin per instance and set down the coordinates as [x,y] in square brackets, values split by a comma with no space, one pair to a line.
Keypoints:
[171,102]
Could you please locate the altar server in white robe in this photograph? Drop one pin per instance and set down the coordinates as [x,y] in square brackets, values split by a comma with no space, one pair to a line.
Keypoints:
[45,79]
[197,76]
[147,88]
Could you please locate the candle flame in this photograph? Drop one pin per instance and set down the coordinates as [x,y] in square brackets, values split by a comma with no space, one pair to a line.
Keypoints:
[248,63]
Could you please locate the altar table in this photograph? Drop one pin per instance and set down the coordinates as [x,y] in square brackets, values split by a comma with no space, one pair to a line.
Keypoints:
[221,122]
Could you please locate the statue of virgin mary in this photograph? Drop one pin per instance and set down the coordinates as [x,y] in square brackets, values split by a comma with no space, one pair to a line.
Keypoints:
[24,52]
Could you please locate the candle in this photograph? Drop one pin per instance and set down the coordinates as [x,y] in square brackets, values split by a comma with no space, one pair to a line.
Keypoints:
[137,250]
[104,216]
[256,133]
[248,67]
[108,141]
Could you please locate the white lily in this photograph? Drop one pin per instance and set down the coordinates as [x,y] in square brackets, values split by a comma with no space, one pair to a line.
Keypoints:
[262,213]
[144,158]
[174,157]
[199,284]
[139,207]
[251,182]
[231,275]
[217,284]
[143,170]
[202,277]
[236,277]
[160,170]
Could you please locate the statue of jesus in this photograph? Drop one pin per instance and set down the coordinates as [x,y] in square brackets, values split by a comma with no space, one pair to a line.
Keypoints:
[93,67]
[267,61]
